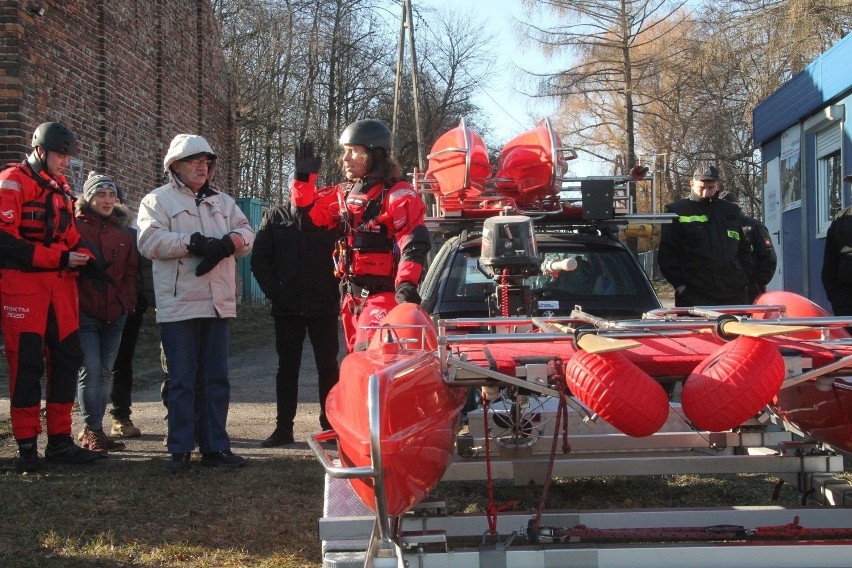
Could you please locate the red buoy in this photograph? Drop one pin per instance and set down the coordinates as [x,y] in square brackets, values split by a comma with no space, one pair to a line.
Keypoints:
[618,391]
[732,384]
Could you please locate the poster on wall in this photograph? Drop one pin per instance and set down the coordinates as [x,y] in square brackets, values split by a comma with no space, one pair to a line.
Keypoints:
[791,183]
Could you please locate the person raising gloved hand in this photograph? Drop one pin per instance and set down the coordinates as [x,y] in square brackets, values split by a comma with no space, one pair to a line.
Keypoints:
[307,163]
[380,219]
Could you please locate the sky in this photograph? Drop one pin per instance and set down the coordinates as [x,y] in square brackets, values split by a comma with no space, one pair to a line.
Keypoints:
[509,108]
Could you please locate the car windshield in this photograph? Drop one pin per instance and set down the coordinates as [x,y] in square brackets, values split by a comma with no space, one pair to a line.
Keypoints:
[601,271]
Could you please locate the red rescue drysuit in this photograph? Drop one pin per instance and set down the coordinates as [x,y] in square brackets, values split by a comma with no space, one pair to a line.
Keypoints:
[39,297]
[383,244]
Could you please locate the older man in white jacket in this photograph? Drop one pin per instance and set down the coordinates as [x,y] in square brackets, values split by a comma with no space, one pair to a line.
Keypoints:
[192,233]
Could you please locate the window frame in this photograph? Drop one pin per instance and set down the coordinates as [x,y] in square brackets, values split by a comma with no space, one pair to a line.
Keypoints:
[829,182]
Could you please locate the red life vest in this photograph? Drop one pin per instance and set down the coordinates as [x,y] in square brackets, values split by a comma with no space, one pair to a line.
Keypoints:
[366,248]
[46,216]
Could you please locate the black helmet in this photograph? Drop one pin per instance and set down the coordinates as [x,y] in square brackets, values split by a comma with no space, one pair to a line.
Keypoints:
[369,133]
[55,137]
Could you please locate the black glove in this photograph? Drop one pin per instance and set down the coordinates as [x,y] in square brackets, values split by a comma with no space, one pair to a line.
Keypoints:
[96,271]
[196,244]
[407,292]
[214,251]
[306,162]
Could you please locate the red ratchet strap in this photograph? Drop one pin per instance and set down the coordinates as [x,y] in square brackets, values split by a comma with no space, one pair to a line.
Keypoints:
[492,509]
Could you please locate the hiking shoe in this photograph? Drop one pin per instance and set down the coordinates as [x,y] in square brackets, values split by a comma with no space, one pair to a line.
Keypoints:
[91,442]
[179,462]
[124,428]
[110,444]
[225,458]
[280,437]
[66,451]
[98,441]
[27,458]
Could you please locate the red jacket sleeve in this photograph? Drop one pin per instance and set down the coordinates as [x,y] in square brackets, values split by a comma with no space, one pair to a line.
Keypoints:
[312,206]
[406,211]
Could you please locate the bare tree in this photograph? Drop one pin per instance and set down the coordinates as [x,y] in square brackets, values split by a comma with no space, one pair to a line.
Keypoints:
[599,89]
[307,68]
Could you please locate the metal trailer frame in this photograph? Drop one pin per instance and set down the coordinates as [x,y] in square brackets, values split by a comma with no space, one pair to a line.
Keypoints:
[427,537]
[426,543]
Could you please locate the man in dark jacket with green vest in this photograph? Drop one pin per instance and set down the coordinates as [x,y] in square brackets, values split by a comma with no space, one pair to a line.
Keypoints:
[704,253]
[762,260]
[295,271]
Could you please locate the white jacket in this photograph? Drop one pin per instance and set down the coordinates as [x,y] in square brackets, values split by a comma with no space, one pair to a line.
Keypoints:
[167,218]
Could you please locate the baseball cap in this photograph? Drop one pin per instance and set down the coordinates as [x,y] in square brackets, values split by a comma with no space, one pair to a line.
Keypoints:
[706,173]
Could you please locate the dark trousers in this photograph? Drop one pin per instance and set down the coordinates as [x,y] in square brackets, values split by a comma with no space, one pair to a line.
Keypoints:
[122,369]
[289,336]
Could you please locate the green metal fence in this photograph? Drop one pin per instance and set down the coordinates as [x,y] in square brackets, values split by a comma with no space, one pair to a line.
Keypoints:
[253,208]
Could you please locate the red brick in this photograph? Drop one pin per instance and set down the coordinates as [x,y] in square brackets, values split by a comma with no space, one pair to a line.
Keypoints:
[98,72]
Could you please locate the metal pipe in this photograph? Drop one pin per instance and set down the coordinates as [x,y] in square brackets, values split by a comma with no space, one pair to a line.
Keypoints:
[374,413]
[814,373]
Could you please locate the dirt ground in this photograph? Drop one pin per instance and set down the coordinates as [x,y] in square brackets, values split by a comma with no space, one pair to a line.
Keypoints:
[250,420]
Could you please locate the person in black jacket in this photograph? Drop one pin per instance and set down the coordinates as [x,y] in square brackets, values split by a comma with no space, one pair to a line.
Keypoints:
[762,257]
[837,262]
[295,271]
[121,393]
[704,253]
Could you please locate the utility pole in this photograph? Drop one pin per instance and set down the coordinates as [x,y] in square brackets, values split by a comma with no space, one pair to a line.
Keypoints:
[407,21]
[653,173]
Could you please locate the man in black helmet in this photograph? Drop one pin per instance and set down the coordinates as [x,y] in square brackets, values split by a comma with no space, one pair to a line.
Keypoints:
[382,252]
[40,258]
[704,253]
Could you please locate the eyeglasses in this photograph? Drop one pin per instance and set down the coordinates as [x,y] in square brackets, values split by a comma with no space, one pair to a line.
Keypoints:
[195,162]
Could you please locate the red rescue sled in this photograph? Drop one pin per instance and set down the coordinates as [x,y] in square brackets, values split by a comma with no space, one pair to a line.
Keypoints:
[395,419]
[529,176]
[530,166]
[458,164]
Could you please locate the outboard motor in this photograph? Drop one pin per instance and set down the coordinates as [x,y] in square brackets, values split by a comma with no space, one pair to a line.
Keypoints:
[509,254]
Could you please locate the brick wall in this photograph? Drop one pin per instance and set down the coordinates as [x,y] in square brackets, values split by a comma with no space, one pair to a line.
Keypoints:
[125,76]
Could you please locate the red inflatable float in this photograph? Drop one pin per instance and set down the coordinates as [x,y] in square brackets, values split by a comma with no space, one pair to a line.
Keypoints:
[618,391]
[796,307]
[733,384]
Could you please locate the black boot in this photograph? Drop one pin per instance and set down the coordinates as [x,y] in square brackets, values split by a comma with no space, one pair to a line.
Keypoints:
[280,437]
[27,458]
[62,449]
[179,462]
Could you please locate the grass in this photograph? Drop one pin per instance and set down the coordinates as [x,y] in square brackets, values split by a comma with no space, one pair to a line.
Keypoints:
[590,493]
[124,513]
[130,514]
